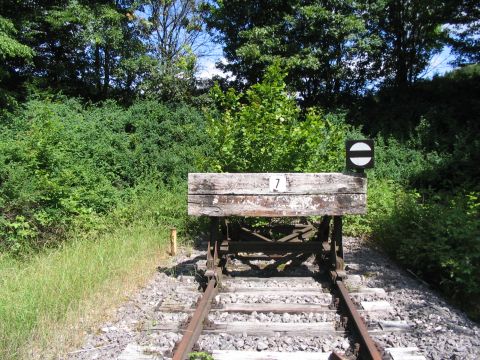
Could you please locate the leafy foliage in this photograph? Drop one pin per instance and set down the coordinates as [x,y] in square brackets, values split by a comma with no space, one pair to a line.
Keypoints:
[325,45]
[411,33]
[61,162]
[439,239]
[89,265]
[443,103]
[435,118]
[263,130]
[465,32]
[10,48]
[105,49]
[174,31]
[335,50]
[424,216]
[196,355]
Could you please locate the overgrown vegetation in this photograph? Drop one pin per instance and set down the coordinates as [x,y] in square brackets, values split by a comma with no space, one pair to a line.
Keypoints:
[424,205]
[37,296]
[265,130]
[200,356]
[425,216]
[430,191]
[101,118]
[435,235]
[88,194]
[66,165]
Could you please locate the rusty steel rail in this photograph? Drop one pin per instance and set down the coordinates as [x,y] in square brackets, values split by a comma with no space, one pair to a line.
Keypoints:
[195,326]
[368,350]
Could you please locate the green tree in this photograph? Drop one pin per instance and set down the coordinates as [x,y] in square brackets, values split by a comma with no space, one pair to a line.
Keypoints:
[9,46]
[87,48]
[465,31]
[338,49]
[411,33]
[263,130]
[175,34]
[12,53]
[100,48]
[325,45]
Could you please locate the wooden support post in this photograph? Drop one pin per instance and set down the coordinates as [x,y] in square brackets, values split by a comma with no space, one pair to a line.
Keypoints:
[214,222]
[333,247]
[324,229]
[173,241]
[338,240]
[322,237]
[339,230]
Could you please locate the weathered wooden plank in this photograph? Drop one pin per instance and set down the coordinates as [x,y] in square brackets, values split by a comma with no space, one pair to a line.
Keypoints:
[270,328]
[136,352]
[381,305]
[270,292]
[275,183]
[312,247]
[395,325]
[379,292]
[257,328]
[276,205]
[324,298]
[277,279]
[407,353]
[280,291]
[268,355]
[274,308]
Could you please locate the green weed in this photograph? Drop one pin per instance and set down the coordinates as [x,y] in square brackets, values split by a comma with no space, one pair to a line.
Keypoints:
[38,293]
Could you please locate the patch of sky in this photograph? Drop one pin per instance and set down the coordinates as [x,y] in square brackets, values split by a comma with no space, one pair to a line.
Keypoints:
[439,64]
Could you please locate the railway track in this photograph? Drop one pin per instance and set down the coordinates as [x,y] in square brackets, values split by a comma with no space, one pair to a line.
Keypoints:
[286,289]
[301,312]
[400,313]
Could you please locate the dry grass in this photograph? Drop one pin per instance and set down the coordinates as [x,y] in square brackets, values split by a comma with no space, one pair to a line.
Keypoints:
[48,304]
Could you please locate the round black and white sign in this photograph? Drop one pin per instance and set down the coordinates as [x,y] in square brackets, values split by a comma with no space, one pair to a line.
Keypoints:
[359,154]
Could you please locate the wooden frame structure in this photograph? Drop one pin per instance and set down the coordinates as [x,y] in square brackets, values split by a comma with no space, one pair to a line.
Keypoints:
[331,195]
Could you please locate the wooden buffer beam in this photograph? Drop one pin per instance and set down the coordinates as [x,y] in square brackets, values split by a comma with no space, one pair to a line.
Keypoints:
[331,195]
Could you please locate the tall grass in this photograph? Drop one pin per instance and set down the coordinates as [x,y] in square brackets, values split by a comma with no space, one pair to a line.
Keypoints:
[37,294]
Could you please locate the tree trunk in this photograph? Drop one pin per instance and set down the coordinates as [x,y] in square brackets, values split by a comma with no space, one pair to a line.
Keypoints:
[106,81]
[401,69]
[98,81]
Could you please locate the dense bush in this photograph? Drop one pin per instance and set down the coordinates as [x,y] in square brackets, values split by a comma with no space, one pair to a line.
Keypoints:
[38,293]
[263,130]
[439,239]
[61,162]
[435,235]
[424,217]
[396,163]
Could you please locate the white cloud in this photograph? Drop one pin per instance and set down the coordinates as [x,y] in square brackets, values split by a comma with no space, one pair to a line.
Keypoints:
[207,68]
[439,64]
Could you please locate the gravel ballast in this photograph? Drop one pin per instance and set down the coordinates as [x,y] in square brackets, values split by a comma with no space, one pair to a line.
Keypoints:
[436,328]
[439,330]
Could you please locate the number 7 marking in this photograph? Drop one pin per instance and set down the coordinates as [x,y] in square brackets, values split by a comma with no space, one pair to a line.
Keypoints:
[278,183]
